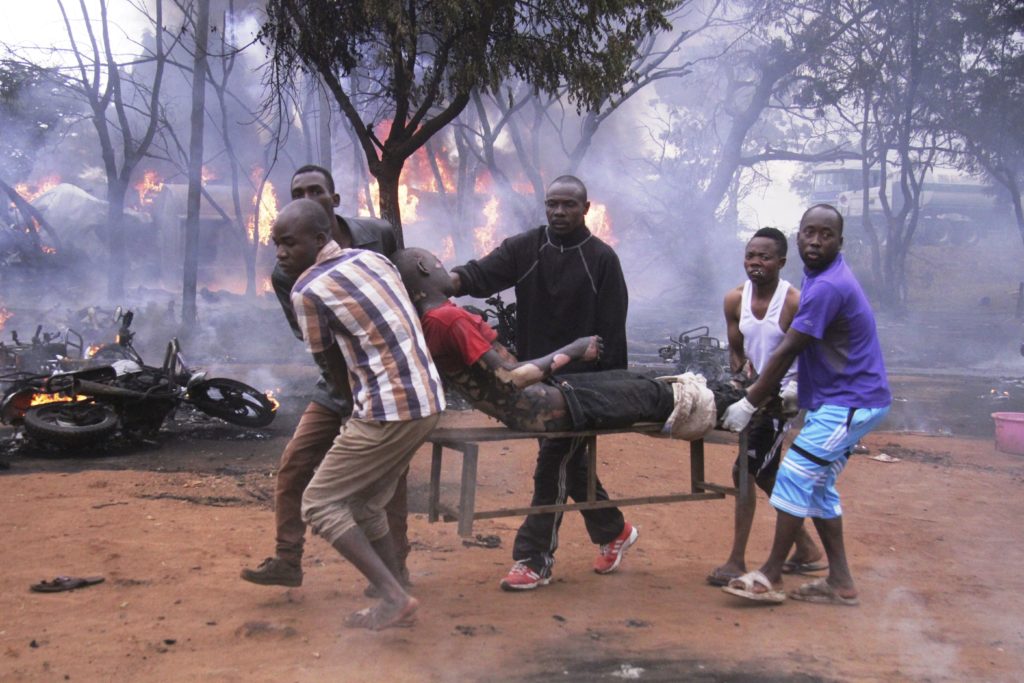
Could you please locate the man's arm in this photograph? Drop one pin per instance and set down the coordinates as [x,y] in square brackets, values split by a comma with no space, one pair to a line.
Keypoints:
[738,415]
[613,305]
[522,374]
[731,308]
[488,275]
[283,289]
[335,372]
[775,369]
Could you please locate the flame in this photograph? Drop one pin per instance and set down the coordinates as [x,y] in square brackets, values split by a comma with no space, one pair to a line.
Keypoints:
[148,187]
[39,399]
[267,202]
[29,191]
[48,249]
[274,403]
[407,202]
[5,315]
[92,350]
[486,236]
[600,223]
[447,249]
[208,174]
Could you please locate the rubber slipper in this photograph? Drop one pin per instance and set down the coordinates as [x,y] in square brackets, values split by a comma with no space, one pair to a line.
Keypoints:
[718,577]
[66,583]
[823,593]
[790,567]
[743,587]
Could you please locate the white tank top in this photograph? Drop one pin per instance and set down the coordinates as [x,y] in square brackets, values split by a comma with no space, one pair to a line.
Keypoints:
[760,337]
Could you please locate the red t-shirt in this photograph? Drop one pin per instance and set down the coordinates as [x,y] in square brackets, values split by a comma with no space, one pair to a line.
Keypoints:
[456,338]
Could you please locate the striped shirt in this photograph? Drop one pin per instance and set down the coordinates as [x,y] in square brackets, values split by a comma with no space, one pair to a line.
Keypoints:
[355,298]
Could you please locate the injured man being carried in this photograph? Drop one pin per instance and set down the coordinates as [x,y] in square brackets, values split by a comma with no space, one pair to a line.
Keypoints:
[531,395]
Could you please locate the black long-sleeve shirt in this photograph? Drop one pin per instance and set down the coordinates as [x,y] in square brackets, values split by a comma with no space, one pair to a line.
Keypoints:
[566,287]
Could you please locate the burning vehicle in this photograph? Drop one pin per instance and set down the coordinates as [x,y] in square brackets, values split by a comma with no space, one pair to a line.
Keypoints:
[88,405]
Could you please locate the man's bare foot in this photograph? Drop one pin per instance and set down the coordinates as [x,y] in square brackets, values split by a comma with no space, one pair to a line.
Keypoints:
[721,576]
[384,615]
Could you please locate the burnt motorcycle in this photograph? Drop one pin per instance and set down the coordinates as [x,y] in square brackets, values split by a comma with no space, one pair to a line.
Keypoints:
[86,406]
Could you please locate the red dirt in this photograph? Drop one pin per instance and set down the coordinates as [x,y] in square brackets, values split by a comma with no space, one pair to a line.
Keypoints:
[933,539]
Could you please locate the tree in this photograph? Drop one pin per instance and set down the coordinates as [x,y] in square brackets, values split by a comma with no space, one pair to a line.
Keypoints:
[425,58]
[987,112]
[125,112]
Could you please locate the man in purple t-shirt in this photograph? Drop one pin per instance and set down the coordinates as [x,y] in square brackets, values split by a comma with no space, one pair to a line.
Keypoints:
[843,387]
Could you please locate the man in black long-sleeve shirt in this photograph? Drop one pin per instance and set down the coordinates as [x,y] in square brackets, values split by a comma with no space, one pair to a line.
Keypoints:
[568,283]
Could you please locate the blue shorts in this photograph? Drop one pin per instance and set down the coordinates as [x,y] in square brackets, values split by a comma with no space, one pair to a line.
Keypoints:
[806,483]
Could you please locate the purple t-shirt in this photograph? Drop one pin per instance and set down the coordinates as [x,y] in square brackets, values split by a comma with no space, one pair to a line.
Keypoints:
[844,365]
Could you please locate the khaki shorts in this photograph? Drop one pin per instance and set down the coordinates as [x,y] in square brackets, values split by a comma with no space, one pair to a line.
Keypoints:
[359,474]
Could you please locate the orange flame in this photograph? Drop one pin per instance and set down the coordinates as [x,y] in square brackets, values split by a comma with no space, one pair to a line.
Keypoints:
[148,187]
[207,175]
[447,254]
[267,203]
[600,223]
[274,403]
[407,202]
[485,237]
[5,315]
[39,399]
[29,191]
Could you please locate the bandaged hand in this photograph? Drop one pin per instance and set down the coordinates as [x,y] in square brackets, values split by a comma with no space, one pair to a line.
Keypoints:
[737,416]
[790,404]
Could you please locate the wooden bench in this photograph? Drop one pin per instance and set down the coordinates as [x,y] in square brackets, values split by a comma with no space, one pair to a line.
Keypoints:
[467,441]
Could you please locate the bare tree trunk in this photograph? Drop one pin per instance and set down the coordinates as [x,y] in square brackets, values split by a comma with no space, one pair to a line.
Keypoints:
[324,119]
[195,169]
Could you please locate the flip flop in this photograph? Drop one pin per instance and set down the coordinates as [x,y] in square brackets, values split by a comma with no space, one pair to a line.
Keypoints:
[718,577]
[823,593]
[66,583]
[744,587]
[793,567]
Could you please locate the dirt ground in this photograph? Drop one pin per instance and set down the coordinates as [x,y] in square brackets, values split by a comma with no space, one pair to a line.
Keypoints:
[934,542]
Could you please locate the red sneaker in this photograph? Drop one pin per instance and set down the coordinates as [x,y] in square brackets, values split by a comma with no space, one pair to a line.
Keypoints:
[610,555]
[522,578]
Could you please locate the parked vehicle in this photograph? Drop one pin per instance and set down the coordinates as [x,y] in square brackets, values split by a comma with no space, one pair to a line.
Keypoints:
[955,207]
[85,406]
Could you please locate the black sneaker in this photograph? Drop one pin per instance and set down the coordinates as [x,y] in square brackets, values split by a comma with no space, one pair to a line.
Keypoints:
[274,571]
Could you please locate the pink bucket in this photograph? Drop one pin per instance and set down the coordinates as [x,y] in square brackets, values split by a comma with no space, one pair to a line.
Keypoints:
[1009,432]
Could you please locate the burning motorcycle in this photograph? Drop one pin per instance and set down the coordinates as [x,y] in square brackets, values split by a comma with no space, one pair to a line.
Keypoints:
[89,405]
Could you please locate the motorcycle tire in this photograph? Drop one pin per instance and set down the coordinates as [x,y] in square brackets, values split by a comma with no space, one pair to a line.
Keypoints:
[232,402]
[70,424]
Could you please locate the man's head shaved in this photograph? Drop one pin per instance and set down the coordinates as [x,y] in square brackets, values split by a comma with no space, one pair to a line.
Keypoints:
[307,214]
[573,181]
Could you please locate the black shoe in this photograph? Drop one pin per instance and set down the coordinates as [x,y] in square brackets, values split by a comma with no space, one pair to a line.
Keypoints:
[274,571]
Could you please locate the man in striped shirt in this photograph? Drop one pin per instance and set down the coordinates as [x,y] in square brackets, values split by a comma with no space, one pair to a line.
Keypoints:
[351,305]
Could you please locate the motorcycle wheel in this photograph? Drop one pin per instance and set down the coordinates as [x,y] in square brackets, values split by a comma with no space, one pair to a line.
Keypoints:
[70,424]
[232,402]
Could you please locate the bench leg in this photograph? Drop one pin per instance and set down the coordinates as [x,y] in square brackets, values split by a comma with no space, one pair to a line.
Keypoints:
[467,493]
[696,465]
[434,495]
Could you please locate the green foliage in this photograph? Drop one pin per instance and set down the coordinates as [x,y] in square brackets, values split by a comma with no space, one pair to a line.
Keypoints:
[428,48]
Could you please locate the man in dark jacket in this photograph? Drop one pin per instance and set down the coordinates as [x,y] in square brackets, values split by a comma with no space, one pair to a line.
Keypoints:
[568,284]
[322,419]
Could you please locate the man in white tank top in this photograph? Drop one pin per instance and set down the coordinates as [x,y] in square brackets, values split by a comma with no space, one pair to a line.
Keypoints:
[757,315]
